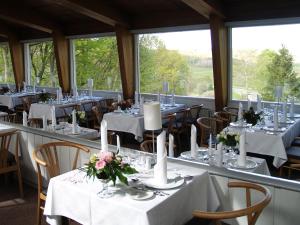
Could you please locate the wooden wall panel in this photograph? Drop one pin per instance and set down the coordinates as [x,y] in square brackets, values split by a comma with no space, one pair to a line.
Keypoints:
[62,56]
[17,59]
[220,60]
[125,41]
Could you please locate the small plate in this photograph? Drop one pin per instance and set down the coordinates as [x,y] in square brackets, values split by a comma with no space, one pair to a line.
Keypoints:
[140,195]
[250,164]
[202,153]
[172,183]
[271,129]
[118,111]
[238,125]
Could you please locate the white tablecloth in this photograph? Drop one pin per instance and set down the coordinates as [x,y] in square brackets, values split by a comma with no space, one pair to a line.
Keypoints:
[260,142]
[38,110]
[83,132]
[134,124]
[14,99]
[79,201]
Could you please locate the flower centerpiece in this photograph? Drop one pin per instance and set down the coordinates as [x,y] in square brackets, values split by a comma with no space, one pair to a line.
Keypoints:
[228,138]
[251,117]
[80,117]
[108,166]
[44,97]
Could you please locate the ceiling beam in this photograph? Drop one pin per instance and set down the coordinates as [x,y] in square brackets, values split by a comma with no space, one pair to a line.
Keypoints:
[204,8]
[21,16]
[96,10]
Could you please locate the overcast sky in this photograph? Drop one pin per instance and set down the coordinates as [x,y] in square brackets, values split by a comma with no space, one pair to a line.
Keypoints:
[258,38]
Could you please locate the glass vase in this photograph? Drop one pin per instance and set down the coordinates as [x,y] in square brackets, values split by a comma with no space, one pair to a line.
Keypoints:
[105,192]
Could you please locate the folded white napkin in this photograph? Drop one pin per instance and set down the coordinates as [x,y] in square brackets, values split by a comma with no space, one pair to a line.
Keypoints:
[53,116]
[241,160]
[193,141]
[258,107]
[25,119]
[240,113]
[160,169]
[171,145]
[284,112]
[275,118]
[104,143]
[219,155]
[44,122]
[292,107]
[74,122]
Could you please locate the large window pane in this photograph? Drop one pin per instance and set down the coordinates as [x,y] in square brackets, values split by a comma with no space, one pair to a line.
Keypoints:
[6,70]
[97,58]
[181,58]
[43,65]
[265,57]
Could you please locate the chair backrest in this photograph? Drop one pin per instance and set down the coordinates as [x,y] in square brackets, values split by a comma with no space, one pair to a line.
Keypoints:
[252,211]
[233,111]
[225,117]
[26,101]
[147,146]
[46,156]
[208,126]
[5,139]
[205,112]
[87,106]
[194,113]
[169,121]
[97,114]
[181,118]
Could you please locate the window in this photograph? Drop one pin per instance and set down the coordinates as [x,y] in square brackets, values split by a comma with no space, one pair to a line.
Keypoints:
[265,57]
[181,58]
[43,65]
[6,70]
[97,58]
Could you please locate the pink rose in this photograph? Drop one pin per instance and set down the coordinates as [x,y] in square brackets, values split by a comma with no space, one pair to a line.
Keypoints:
[100,164]
[107,156]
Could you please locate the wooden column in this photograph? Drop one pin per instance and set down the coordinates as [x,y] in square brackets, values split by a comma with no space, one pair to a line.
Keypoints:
[125,41]
[220,60]
[17,59]
[62,56]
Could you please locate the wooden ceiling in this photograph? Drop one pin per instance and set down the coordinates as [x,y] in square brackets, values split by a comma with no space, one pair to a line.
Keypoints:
[33,19]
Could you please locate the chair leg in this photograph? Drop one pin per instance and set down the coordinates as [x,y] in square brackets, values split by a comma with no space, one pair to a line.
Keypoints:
[20,183]
[39,212]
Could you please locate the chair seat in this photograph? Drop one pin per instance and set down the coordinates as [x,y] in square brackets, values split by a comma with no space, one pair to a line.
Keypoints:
[296,142]
[293,152]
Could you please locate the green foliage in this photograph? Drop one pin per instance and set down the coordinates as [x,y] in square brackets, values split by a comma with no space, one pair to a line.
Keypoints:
[43,65]
[6,71]
[97,58]
[251,117]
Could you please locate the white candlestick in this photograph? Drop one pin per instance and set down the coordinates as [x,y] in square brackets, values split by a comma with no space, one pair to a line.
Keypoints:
[171,145]
[275,118]
[240,113]
[220,155]
[104,143]
[118,143]
[25,122]
[74,121]
[193,141]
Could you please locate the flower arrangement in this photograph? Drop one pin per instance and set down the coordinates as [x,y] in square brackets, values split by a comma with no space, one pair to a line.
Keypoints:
[108,166]
[80,117]
[44,97]
[228,138]
[251,117]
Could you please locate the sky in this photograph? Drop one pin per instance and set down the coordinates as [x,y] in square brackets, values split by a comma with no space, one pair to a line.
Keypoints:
[258,38]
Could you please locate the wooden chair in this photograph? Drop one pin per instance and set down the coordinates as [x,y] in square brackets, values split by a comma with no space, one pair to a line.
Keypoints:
[46,156]
[5,166]
[225,117]
[181,126]
[147,146]
[11,114]
[97,116]
[205,112]
[252,211]
[233,111]
[293,162]
[208,126]
[36,122]
[193,114]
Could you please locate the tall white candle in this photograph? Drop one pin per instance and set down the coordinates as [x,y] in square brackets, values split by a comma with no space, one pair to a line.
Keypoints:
[220,155]
[74,121]
[53,116]
[25,119]
[242,148]
[284,111]
[44,122]
[240,113]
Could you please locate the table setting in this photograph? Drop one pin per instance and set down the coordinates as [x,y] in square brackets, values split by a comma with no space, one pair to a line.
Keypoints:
[140,197]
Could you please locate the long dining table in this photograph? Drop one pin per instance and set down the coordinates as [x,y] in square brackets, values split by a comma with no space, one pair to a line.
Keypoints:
[13,99]
[132,121]
[75,196]
[262,140]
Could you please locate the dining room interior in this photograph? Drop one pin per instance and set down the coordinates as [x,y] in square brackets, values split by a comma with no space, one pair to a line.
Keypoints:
[175,112]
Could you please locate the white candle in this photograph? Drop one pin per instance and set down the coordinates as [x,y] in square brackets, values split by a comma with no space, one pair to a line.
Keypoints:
[284,111]
[74,121]
[44,122]
[242,148]
[25,119]
[220,155]
[104,143]
[240,113]
[193,141]
[53,115]
[275,118]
